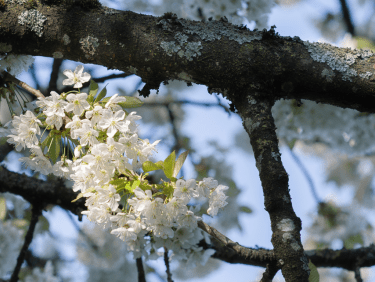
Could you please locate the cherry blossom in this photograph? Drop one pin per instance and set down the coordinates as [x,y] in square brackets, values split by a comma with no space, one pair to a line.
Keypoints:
[77,77]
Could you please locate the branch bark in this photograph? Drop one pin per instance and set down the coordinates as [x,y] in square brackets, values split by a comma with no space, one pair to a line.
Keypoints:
[217,54]
[37,191]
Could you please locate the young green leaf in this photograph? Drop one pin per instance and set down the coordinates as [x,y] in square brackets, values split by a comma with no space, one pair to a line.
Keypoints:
[131,102]
[169,165]
[54,148]
[314,274]
[150,166]
[47,141]
[245,209]
[180,161]
[93,89]
[135,184]
[119,183]
[101,95]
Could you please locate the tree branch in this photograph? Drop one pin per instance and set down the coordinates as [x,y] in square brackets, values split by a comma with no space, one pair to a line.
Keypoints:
[214,53]
[36,212]
[39,192]
[10,78]
[141,271]
[347,18]
[269,274]
[166,262]
[286,226]
[55,193]
[307,176]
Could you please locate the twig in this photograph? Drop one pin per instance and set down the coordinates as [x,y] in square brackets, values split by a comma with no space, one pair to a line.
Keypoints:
[185,102]
[176,146]
[216,234]
[166,261]
[347,18]
[270,272]
[35,213]
[54,75]
[307,175]
[141,271]
[357,274]
[10,78]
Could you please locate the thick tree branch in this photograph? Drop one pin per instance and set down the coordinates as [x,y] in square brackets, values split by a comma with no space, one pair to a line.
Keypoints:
[217,54]
[286,226]
[55,193]
[39,192]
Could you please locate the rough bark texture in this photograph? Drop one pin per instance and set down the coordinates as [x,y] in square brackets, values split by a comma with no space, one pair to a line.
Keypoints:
[217,54]
[286,226]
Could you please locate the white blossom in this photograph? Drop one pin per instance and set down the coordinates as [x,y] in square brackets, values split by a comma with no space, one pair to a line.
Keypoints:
[77,77]
[78,103]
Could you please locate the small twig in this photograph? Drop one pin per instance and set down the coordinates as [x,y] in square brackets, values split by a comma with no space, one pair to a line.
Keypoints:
[270,272]
[54,75]
[10,78]
[347,18]
[357,274]
[176,146]
[141,271]
[216,234]
[185,102]
[35,213]
[111,76]
[307,175]
[166,261]
[93,245]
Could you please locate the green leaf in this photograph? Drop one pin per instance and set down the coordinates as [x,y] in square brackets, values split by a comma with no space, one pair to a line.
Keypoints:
[352,240]
[131,185]
[3,208]
[101,95]
[169,164]
[291,143]
[135,184]
[150,166]
[54,148]
[47,141]
[314,274]
[131,102]
[120,184]
[245,209]
[93,90]
[104,101]
[180,161]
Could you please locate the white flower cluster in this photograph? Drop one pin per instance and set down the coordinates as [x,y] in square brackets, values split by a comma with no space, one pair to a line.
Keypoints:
[340,129]
[107,155]
[168,219]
